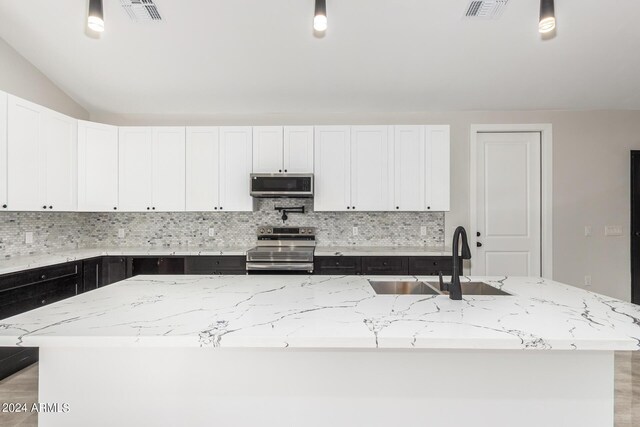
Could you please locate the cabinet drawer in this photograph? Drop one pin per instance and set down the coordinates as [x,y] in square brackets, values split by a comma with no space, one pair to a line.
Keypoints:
[157,265]
[339,265]
[216,265]
[30,277]
[25,298]
[430,266]
[385,265]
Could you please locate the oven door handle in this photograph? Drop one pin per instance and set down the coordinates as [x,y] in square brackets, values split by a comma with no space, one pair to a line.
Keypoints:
[283,266]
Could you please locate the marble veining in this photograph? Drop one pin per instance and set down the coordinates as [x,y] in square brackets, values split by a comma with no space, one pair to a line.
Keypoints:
[326,312]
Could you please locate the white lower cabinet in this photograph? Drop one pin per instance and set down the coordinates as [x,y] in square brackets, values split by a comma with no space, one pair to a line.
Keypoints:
[332,168]
[97,167]
[3,152]
[42,158]
[235,168]
[203,169]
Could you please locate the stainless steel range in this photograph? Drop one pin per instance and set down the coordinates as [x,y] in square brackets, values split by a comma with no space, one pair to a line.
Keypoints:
[283,249]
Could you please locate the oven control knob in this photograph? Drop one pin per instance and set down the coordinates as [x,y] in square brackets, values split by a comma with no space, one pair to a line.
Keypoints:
[269,230]
[261,230]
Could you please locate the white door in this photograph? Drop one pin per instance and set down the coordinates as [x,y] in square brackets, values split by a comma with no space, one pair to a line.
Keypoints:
[203,169]
[60,144]
[371,180]
[409,168]
[168,175]
[508,205]
[298,149]
[235,168]
[135,169]
[437,167]
[26,161]
[332,168]
[3,151]
[97,167]
[267,149]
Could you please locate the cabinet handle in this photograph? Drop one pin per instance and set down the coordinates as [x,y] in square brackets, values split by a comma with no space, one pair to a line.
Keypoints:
[115,208]
[44,276]
[279,170]
[384,263]
[478,244]
[148,208]
[348,207]
[50,207]
[76,289]
[220,207]
[43,301]
[397,207]
[428,207]
[4,206]
[44,207]
[154,208]
[285,170]
[353,207]
[216,208]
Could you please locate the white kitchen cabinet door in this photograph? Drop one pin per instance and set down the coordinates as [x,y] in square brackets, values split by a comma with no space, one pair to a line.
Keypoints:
[97,167]
[26,159]
[267,149]
[60,144]
[409,168]
[332,168]
[203,169]
[168,174]
[437,167]
[298,149]
[371,178]
[235,168]
[135,186]
[3,151]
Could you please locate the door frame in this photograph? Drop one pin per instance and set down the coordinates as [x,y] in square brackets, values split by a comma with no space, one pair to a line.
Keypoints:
[546,186]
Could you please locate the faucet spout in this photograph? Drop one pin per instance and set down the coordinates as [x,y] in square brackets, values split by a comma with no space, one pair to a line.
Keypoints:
[455,290]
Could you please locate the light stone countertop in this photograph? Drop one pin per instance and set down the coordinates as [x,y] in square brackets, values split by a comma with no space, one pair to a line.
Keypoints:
[326,312]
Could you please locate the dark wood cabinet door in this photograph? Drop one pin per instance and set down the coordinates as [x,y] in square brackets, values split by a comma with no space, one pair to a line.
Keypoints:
[337,265]
[114,269]
[91,269]
[385,265]
[157,265]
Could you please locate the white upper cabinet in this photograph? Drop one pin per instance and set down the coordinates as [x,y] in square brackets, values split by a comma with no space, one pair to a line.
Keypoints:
[168,171]
[278,149]
[235,168]
[42,158]
[3,151]
[267,149]
[409,168]
[60,147]
[25,173]
[135,169]
[203,169]
[332,168]
[371,180]
[298,149]
[437,167]
[97,167]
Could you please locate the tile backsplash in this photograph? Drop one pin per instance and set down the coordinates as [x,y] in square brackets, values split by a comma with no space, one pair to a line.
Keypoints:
[191,229]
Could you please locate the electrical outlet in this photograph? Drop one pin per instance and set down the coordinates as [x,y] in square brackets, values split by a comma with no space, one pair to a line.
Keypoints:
[423,230]
[121,233]
[587,281]
[212,232]
[613,230]
[28,237]
[587,230]
[355,231]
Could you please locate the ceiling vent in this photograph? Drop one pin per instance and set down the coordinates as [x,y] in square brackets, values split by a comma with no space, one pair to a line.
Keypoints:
[485,9]
[141,10]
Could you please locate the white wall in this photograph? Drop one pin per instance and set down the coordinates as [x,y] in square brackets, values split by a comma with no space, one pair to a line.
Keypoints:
[591,177]
[19,77]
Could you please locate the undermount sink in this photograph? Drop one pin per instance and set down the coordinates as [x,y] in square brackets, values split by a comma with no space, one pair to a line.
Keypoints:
[473,288]
[390,287]
[402,288]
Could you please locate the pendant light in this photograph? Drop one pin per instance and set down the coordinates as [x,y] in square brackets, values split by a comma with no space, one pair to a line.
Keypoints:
[320,17]
[95,20]
[547,16]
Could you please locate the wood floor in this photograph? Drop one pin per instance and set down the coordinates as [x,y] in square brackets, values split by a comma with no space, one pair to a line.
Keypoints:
[23,387]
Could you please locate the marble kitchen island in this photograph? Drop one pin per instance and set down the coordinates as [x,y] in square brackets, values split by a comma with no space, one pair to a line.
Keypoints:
[326,350]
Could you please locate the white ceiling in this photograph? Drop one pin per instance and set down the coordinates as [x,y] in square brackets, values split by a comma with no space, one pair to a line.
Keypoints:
[260,56]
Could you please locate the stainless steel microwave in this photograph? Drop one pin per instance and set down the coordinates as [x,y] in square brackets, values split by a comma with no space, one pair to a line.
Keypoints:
[281,185]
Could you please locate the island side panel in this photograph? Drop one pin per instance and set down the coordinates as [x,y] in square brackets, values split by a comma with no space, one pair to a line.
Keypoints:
[276,387]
